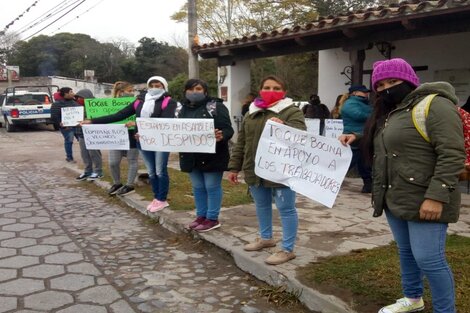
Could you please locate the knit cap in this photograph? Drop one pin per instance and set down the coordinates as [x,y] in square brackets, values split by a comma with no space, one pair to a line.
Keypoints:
[160,79]
[393,68]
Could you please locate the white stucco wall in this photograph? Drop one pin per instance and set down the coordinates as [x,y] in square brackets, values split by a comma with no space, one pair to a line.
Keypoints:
[98,89]
[237,83]
[330,82]
[447,58]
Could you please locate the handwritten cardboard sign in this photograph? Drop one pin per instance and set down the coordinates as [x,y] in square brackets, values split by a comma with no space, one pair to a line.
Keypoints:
[71,116]
[333,128]
[106,137]
[314,166]
[313,126]
[106,106]
[177,134]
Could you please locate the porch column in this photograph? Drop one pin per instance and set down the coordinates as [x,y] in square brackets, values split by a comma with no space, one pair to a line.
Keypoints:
[233,88]
[357,58]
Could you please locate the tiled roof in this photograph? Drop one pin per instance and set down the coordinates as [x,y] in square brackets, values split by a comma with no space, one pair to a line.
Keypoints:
[344,22]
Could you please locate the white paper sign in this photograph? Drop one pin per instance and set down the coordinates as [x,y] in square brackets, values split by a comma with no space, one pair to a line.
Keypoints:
[313,126]
[333,128]
[314,166]
[106,137]
[177,134]
[72,116]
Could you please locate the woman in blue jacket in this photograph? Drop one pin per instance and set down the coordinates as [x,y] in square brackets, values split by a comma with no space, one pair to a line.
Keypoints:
[355,112]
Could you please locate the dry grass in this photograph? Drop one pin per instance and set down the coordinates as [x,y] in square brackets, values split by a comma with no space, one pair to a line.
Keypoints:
[371,279]
[180,195]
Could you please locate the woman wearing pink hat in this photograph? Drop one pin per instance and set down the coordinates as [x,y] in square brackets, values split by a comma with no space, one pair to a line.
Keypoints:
[415,180]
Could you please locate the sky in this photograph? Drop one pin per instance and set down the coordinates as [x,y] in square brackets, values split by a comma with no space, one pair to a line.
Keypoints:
[104,20]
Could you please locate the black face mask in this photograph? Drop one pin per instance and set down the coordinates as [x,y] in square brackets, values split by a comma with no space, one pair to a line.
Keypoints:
[395,94]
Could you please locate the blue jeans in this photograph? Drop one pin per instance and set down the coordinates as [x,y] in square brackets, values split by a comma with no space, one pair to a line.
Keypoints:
[68,133]
[157,168]
[285,202]
[421,246]
[207,190]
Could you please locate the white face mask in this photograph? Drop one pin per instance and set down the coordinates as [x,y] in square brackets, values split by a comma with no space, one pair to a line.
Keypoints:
[156,92]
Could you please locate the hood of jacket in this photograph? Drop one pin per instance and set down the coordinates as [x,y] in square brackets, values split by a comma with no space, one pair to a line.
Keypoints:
[85,94]
[278,107]
[443,89]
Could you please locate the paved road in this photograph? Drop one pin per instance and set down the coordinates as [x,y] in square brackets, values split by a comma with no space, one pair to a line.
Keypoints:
[65,248]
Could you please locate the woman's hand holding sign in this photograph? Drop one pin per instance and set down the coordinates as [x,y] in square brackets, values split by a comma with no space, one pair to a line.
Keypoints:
[233,177]
[219,135]
[347,139]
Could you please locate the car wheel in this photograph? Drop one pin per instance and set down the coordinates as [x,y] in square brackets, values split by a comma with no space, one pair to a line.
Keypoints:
[9,127]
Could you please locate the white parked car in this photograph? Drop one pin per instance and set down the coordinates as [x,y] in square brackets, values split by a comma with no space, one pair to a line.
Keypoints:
[26,105]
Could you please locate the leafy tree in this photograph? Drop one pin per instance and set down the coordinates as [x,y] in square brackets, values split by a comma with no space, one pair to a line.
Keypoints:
[219,20]
[7,40]
[334,7]
[158,58]
[67,54]
[176,86]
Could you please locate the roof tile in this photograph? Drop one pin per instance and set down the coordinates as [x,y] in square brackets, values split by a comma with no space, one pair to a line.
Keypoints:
[343,19]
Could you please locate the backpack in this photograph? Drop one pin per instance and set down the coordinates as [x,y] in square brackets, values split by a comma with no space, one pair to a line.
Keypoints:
[165,102]
[420,113]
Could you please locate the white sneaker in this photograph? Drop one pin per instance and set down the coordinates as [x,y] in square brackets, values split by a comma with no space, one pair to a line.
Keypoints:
[403,305]
[94,176]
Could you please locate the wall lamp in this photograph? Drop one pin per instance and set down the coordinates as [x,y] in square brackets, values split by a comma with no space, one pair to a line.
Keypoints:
[222,74]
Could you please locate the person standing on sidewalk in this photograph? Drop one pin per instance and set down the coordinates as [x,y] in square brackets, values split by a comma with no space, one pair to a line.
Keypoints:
[355,112]
[121,89]
[91,158]
[271,105]
[66,98]
[206,169]
[415,181]
[155,103]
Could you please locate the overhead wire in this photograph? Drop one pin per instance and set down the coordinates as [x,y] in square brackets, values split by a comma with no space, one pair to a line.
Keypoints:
[55,20]
[18,17]
[77,17]
[46,15]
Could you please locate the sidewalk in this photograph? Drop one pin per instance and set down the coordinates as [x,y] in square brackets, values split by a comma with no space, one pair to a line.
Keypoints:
[322,232]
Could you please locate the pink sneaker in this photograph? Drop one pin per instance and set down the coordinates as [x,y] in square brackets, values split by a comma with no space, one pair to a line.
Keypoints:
[152,204]
[199,220]
[207,225]
[160,205]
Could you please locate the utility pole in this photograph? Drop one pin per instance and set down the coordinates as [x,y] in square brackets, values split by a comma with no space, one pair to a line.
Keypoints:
[193,65]
[9,77]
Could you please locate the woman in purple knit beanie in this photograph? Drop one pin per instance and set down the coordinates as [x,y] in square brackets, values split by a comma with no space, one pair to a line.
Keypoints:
[415,179]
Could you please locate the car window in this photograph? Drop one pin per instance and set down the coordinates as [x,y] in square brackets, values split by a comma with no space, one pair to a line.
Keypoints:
[29,99]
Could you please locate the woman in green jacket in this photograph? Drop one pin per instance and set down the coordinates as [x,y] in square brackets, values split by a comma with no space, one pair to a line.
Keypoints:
[415,180]
[272,105]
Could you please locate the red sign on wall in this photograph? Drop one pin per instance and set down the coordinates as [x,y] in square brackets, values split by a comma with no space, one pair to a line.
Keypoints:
[14,72]
[224,93]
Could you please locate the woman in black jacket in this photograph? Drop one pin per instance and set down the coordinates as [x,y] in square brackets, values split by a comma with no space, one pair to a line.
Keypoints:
[206,169]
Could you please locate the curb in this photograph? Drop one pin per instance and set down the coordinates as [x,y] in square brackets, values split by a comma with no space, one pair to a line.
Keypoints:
[252,263]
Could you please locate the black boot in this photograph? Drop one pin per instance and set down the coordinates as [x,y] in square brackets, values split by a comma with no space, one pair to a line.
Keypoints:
[367,188]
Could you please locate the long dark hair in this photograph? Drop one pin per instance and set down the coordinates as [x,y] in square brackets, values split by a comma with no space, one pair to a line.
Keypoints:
[375,122]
